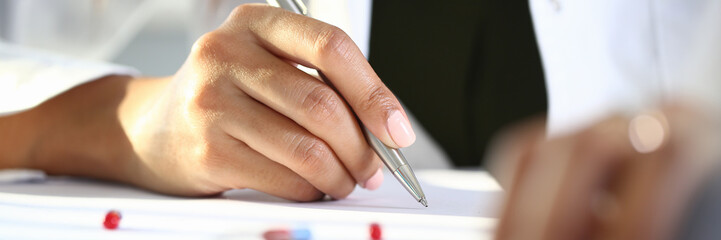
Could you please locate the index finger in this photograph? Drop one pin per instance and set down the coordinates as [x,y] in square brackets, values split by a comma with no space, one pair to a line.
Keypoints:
[327,48]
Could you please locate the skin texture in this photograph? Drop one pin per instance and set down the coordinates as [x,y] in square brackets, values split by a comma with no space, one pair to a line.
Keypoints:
[237,114]
[594,184]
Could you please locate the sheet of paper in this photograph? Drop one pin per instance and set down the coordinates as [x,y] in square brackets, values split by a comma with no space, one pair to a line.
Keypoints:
[462,205]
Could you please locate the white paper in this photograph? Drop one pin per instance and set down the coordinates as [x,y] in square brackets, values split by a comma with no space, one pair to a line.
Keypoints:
[462,205]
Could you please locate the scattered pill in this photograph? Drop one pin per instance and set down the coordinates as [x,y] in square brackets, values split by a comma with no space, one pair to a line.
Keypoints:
[283,234]
[112,220]
[301,234]
[277,235]
[375,231]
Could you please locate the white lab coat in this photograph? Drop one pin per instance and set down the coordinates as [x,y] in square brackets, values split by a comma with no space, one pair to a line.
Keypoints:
[604,57]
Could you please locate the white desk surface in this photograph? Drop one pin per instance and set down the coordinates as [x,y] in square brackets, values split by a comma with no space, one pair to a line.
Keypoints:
[462,205]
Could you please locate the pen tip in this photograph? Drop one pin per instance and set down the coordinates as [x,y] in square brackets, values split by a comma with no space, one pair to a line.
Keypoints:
[423,201]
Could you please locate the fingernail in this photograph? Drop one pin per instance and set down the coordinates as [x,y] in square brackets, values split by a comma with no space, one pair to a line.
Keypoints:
[400,129]
[646,133]
[374,182]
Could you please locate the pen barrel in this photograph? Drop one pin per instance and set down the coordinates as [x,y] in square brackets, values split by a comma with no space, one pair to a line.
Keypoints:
[392,158]
[405,175]
[396,163]
[296,6]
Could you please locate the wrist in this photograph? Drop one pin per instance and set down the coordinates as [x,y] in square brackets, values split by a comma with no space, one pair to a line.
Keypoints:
[133,113]
[18,133]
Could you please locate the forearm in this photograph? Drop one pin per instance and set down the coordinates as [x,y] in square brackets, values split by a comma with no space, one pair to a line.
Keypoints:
[75,133]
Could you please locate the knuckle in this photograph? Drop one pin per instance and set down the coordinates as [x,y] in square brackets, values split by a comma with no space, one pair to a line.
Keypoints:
[251,15]
[311,154]
[377,97]
[205,97]
[210,47]
[205,106]
[332,41]
[322,105]
[243,11]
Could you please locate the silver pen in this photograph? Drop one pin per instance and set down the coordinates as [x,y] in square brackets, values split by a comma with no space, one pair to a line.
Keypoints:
[391,157]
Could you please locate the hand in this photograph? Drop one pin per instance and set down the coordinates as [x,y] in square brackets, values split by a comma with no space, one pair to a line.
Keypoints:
[618,179]
[239,114]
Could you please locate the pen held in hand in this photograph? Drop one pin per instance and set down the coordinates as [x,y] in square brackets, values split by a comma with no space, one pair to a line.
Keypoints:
[391,157]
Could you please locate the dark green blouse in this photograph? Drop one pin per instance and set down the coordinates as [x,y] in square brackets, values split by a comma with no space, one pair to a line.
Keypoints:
[465,68]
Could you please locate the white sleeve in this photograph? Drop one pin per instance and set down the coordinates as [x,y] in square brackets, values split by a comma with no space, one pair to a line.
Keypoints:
[30,77]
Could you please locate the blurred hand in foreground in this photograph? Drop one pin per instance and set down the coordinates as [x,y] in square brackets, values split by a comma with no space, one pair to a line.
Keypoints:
[622,178]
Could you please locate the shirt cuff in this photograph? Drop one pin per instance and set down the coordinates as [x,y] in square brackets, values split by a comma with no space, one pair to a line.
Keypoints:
[30,77]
